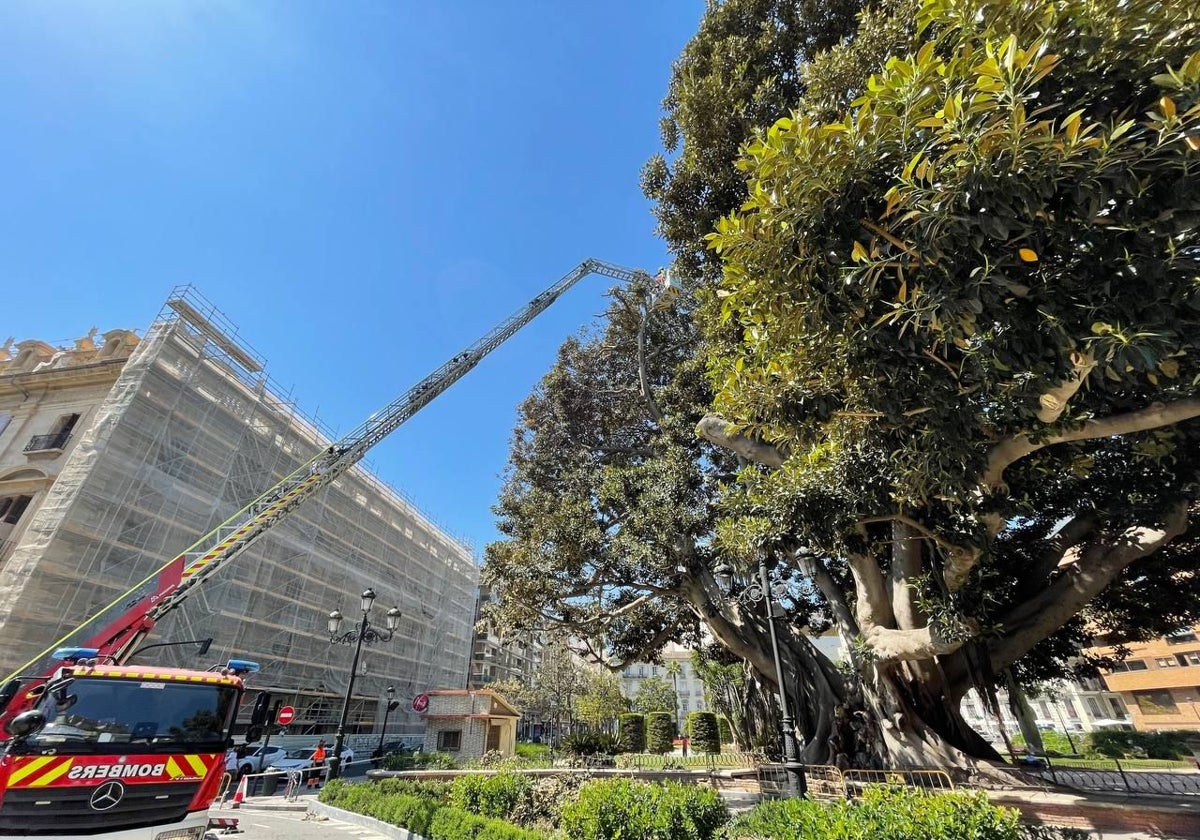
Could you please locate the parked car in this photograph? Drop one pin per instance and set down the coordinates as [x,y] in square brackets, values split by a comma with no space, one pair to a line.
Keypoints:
[301,759]
[255,759]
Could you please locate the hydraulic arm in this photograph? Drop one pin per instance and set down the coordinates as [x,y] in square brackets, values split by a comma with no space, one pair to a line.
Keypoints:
[117,630]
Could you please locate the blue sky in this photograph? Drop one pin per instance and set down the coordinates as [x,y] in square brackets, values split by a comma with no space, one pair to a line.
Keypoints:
[363,187]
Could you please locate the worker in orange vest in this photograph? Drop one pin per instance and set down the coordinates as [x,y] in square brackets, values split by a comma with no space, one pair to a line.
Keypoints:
[318,762]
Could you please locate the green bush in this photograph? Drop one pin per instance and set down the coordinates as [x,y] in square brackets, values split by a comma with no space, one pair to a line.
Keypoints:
[533,752]
[1125,743]
[489,796]
[455,824]
[426,815]
[622,809]
[1054,742]
[434,789]
[660,732]
[631,736]
[542,807]
[703,733]
[412,812]
[418,761]
[883,814]
[589,743]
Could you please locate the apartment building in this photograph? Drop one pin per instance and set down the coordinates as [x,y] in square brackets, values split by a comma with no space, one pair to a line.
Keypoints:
[1159,682]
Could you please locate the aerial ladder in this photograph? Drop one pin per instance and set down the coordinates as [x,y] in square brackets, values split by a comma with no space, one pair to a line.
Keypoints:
[120,627]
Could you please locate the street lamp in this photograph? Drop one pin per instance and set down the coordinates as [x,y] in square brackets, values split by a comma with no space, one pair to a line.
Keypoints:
[761,590]
[367,634]
[392,705]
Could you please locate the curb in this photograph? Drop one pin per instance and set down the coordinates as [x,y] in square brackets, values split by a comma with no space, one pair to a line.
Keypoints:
[320,809]
[279,804]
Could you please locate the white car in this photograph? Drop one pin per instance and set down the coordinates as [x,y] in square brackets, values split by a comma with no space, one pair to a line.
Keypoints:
[253,761]
[301,759]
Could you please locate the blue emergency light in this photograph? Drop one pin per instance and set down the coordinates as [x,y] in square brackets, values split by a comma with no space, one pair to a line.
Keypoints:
[243,666]
[74,654]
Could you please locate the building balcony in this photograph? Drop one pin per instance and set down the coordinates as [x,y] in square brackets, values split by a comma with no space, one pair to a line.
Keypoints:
[1153,678]
[47,444]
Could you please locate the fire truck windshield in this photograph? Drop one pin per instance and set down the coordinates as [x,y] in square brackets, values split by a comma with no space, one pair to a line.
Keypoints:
[94,712]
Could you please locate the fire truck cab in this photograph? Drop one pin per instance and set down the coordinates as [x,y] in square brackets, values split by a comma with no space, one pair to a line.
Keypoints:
[127,752]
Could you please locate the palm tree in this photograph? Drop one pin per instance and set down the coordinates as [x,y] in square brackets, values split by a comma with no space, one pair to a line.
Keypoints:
[674,670]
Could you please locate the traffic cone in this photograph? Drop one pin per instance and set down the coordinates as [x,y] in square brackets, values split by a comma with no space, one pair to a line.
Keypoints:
[240,793]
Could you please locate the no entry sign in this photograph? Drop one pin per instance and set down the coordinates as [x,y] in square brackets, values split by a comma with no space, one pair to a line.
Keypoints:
[286,715]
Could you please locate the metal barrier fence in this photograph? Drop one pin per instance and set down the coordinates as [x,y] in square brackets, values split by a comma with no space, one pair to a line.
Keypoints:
[292,783]
[702,761]
[1107,775]
[827,782]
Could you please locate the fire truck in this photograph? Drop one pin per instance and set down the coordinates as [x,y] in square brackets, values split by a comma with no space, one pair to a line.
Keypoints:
[94,746]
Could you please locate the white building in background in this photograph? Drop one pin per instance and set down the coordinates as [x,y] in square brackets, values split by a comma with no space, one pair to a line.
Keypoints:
[1070,707]
[689,691]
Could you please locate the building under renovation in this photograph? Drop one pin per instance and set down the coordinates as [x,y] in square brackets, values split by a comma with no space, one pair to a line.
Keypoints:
[118,453]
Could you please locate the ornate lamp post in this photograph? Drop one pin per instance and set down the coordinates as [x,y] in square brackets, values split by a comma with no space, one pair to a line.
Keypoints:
[759,591]
[364,633]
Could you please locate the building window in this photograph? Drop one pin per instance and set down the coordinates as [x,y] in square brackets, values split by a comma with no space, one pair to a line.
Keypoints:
[12,507]
[1182,637]
[450,740]
[683,704]
[1129,665]
[1118,708]
[1166,662]
[1093,707]
[1155,702]
[1188,659]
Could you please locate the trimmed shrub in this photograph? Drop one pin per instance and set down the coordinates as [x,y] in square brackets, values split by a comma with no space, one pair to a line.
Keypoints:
[631,736]
[455,824]
[490,796]
[620,809]
[703,733]
[1124,743]
[434,789]
[884,814]
[425,815]
[660,732]
[418,761]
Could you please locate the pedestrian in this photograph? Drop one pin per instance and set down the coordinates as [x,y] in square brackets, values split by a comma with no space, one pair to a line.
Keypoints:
[318,762]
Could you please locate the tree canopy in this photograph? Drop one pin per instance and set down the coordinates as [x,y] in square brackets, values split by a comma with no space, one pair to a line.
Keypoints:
[952,349]
[956,333]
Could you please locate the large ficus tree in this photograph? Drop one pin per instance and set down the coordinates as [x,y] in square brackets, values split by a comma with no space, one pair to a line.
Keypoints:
[956,339]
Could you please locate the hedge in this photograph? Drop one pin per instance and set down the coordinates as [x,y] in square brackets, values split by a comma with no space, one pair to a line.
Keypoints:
[490,796]
[631,735]
[660,732]
[622,809]
[883,814]
[425,815]
[703,733]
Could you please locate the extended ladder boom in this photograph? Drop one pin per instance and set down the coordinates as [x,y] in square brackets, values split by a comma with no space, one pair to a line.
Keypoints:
[116,637]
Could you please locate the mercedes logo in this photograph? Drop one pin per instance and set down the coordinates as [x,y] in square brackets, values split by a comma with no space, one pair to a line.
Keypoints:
[107,796]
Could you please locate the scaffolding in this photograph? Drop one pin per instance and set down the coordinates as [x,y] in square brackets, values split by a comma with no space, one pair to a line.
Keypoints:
[191,430]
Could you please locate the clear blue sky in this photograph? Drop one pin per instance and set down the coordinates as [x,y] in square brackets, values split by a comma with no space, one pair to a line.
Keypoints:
[363,187]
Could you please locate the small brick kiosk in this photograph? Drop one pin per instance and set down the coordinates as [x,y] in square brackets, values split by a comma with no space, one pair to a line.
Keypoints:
[467,724]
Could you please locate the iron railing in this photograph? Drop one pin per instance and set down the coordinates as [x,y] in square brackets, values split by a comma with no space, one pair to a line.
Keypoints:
[40,443]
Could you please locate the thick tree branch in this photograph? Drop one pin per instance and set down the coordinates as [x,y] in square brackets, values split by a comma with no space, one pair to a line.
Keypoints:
[1053,403]
[716,431]
[1007,452]
[643,375]
[960,559]
[904,570]
[811,565]
[1098,565]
